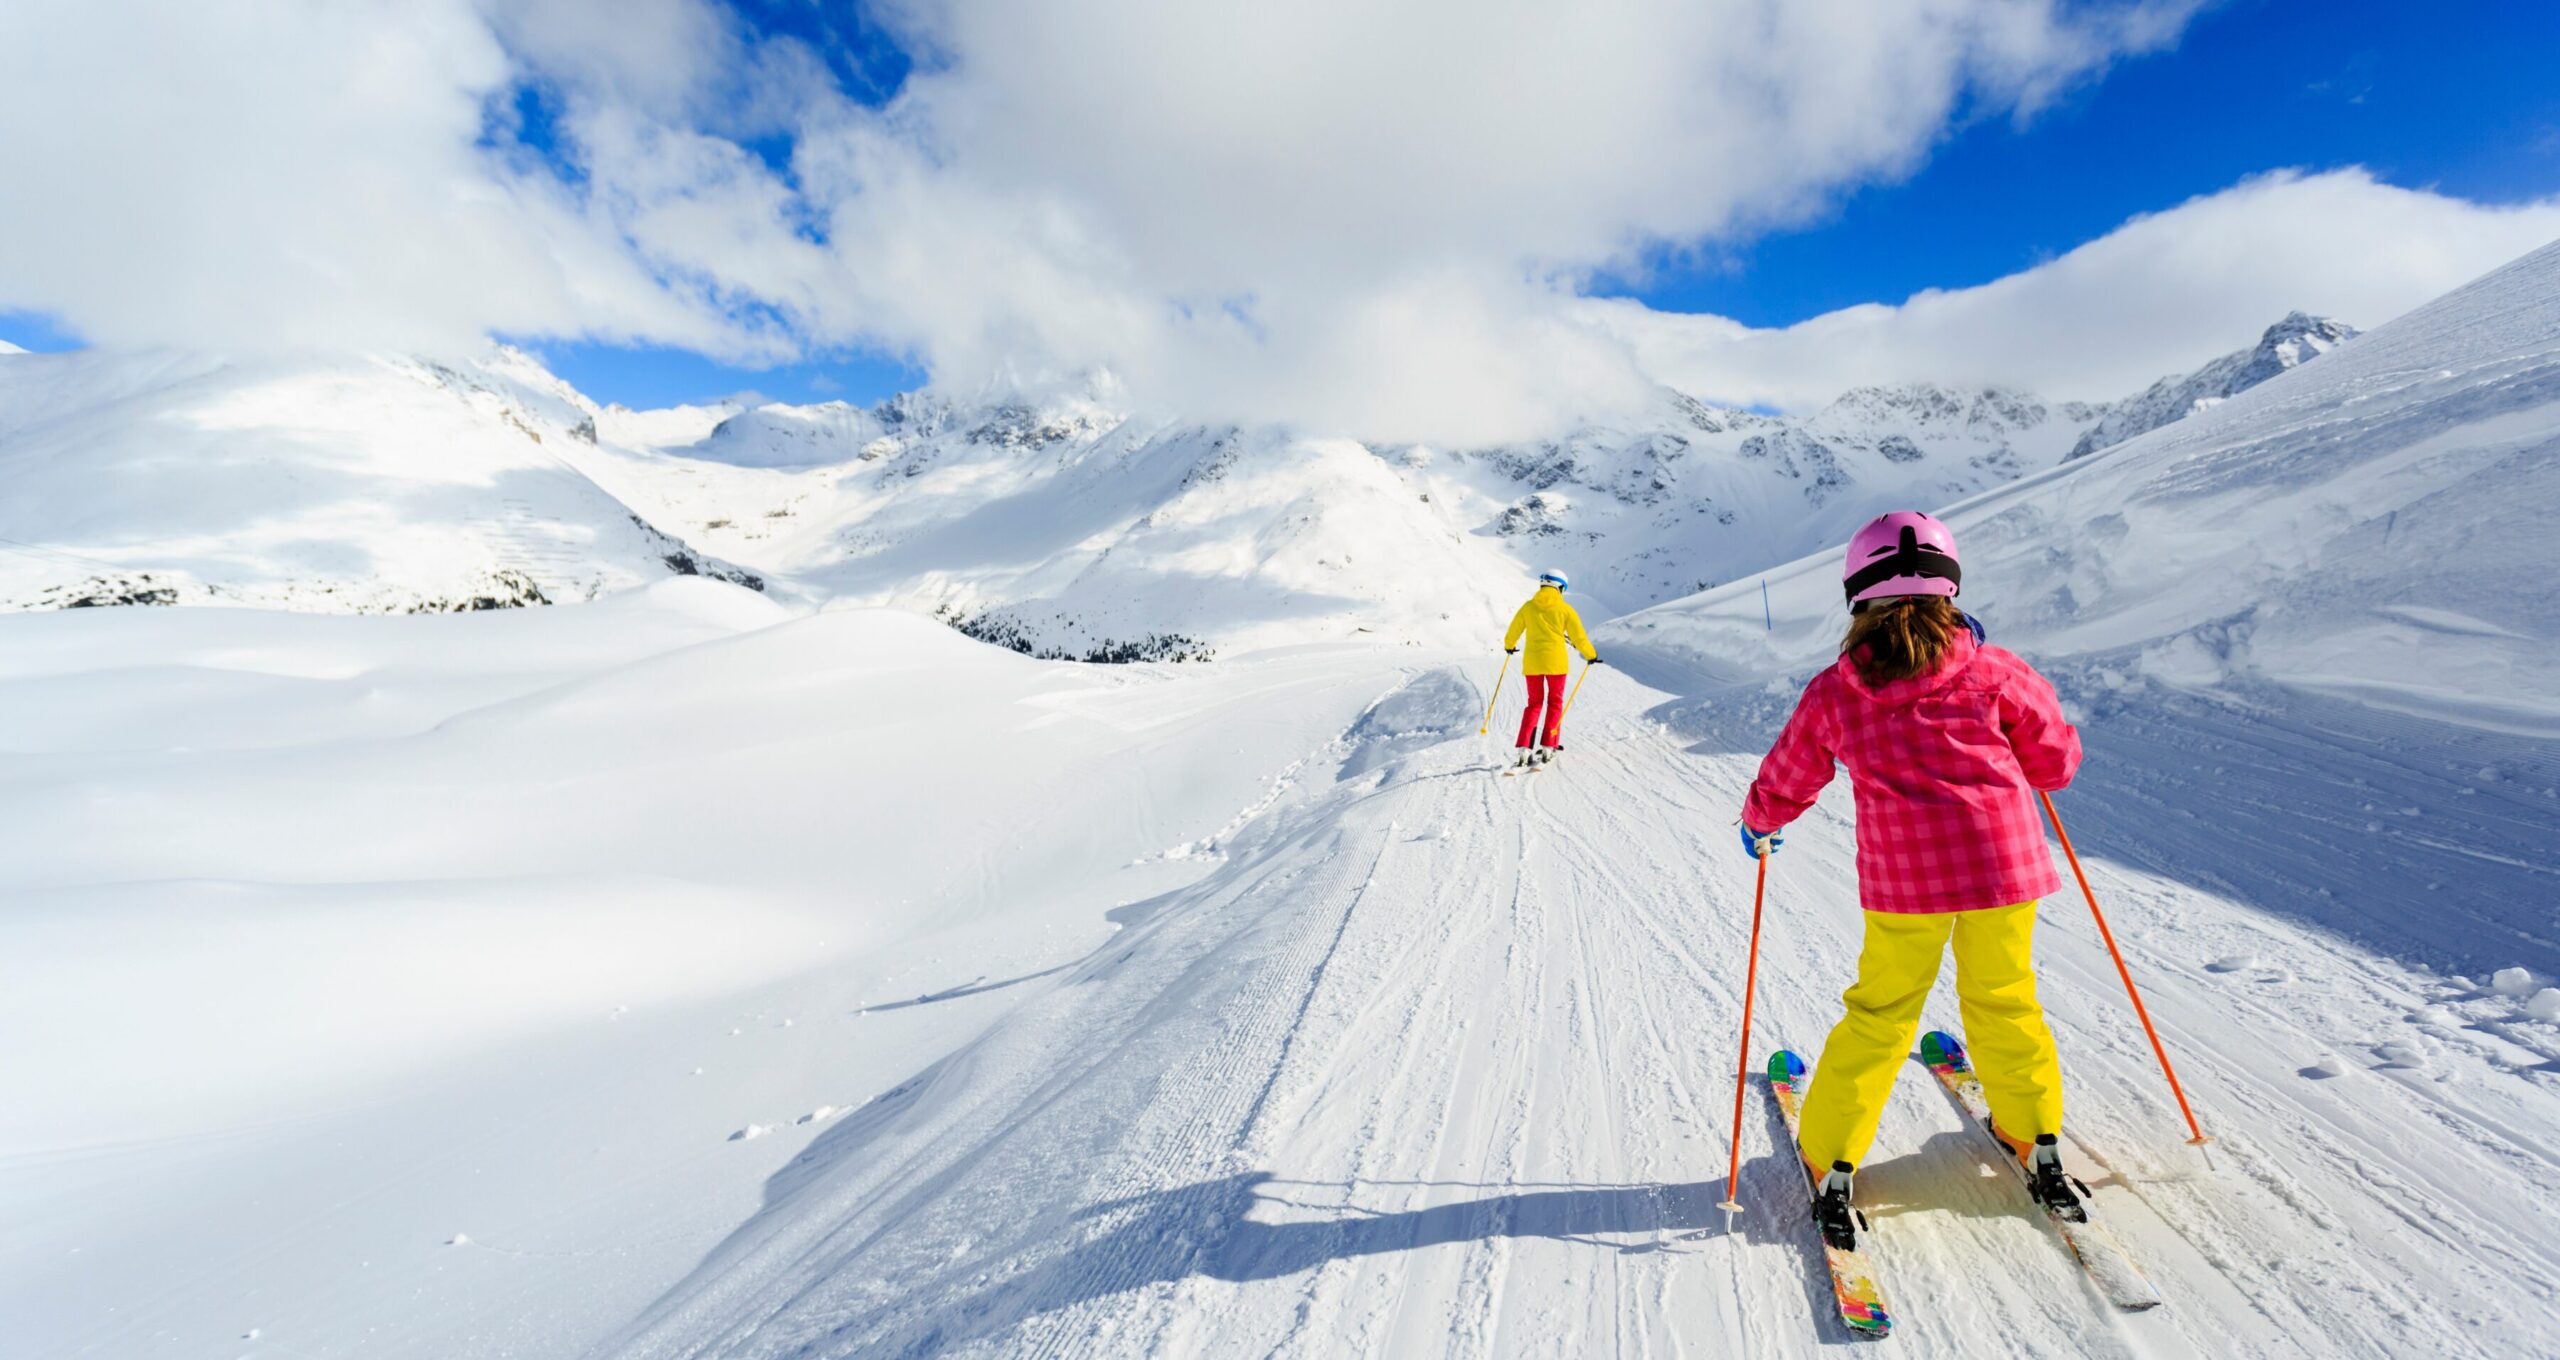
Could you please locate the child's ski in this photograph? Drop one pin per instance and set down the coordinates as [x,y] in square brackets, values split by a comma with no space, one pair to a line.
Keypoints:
[2097,1249]
[1853,1277]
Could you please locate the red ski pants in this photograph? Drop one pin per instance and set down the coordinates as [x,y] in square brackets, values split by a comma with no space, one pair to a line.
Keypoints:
[1545,691]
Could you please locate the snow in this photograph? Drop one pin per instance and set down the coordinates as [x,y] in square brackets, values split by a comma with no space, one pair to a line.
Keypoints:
[699,971]
[2295,340]
[341,484]
[1072,526]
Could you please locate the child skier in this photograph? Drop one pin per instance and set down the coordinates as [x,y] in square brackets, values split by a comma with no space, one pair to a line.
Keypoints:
[1549,624]
[1946,740]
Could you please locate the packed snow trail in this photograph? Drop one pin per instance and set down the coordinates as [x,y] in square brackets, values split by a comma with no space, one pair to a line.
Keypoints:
[1434,1063]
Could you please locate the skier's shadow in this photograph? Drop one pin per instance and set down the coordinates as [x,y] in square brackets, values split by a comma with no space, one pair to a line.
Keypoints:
[1256,1226]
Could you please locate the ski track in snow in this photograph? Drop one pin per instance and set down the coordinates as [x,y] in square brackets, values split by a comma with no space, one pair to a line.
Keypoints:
[1439,1063]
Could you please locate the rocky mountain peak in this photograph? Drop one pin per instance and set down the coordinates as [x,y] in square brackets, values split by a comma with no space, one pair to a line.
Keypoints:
[2291,342]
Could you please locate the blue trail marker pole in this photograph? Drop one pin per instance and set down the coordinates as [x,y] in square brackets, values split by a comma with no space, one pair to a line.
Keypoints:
[1769,621]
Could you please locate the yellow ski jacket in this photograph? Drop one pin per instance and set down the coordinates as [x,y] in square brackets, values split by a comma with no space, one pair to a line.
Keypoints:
[1549,623]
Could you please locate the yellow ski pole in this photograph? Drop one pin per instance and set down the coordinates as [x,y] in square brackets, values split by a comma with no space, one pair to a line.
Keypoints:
[1577,693]
[1496,697]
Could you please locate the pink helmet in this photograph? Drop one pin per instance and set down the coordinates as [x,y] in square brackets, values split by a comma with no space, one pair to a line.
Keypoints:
[1904,553]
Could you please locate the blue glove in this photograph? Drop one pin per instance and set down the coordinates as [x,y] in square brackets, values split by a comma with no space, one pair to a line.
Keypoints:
[1751,842]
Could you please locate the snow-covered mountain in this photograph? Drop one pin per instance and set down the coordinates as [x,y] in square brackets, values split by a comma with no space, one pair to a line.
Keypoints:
[2295,340]
[1072,526]
[340,484]
[2367,526]
[1076,528]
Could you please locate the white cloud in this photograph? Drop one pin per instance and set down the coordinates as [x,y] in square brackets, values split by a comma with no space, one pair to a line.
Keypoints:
[1370,216]
[2158,295]
[1361,217]
[272,172]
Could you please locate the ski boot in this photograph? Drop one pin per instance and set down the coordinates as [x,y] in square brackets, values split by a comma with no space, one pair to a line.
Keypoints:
[1831,1210]
[1547,754]
[1523,758]
[2056,1191]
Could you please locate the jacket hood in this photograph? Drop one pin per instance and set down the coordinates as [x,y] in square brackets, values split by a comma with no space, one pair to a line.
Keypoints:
[1961,650]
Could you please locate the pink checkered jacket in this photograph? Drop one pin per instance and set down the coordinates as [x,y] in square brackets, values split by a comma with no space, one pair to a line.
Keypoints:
[1945,767]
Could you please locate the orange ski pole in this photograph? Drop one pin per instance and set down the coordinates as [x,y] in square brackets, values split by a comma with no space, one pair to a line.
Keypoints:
[1750,988]
[2199,1139]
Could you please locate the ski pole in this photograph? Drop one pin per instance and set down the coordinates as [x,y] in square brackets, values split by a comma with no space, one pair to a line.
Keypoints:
[1742,1069]
[2157,1048]
[1496,696]
[1577,690]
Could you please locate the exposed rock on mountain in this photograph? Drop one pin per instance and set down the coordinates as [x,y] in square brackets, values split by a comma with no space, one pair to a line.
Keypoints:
[2297,339]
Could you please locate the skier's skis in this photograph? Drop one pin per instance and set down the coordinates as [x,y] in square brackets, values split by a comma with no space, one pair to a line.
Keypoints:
[1853,1277]
[2097,1249]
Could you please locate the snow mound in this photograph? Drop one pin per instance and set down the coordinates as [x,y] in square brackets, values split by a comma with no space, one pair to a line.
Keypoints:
[363,485]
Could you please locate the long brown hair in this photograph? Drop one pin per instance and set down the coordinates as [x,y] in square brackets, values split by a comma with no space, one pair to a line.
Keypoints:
[1897,639]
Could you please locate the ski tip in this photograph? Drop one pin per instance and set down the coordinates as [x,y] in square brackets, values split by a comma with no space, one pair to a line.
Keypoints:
[1785,1066]
[1866,1315]
[1938,1046]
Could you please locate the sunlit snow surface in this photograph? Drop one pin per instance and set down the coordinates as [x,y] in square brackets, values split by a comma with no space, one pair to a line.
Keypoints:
[695,974]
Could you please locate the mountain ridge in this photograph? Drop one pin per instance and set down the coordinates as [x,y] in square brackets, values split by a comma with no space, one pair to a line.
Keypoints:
[1070,525]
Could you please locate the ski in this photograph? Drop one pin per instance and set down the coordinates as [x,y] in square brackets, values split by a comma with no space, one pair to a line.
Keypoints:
[2109,1267]
[1853,1277]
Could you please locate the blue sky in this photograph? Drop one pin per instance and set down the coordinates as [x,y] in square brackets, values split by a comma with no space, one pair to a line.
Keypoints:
[2453,97]
[2447,96]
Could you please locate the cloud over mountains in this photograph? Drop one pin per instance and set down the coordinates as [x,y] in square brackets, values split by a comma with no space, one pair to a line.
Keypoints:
[1336,214]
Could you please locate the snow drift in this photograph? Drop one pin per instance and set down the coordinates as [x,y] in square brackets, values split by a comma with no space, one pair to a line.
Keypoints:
[338,484]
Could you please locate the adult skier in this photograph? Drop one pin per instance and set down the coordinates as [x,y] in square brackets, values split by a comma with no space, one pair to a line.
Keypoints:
[1549,625]
[1946,740]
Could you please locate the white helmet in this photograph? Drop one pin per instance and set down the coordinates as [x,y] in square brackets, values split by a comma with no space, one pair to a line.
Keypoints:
[1554,578]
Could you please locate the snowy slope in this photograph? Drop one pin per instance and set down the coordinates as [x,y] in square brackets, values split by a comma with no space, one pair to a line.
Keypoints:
[1262,1018]
[2295,340]
[1436,1061]
[694,974]
[358,484]
[396,986]
[2370,527]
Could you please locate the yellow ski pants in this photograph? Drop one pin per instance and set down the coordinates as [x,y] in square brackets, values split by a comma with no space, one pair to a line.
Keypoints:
[2004,1029]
